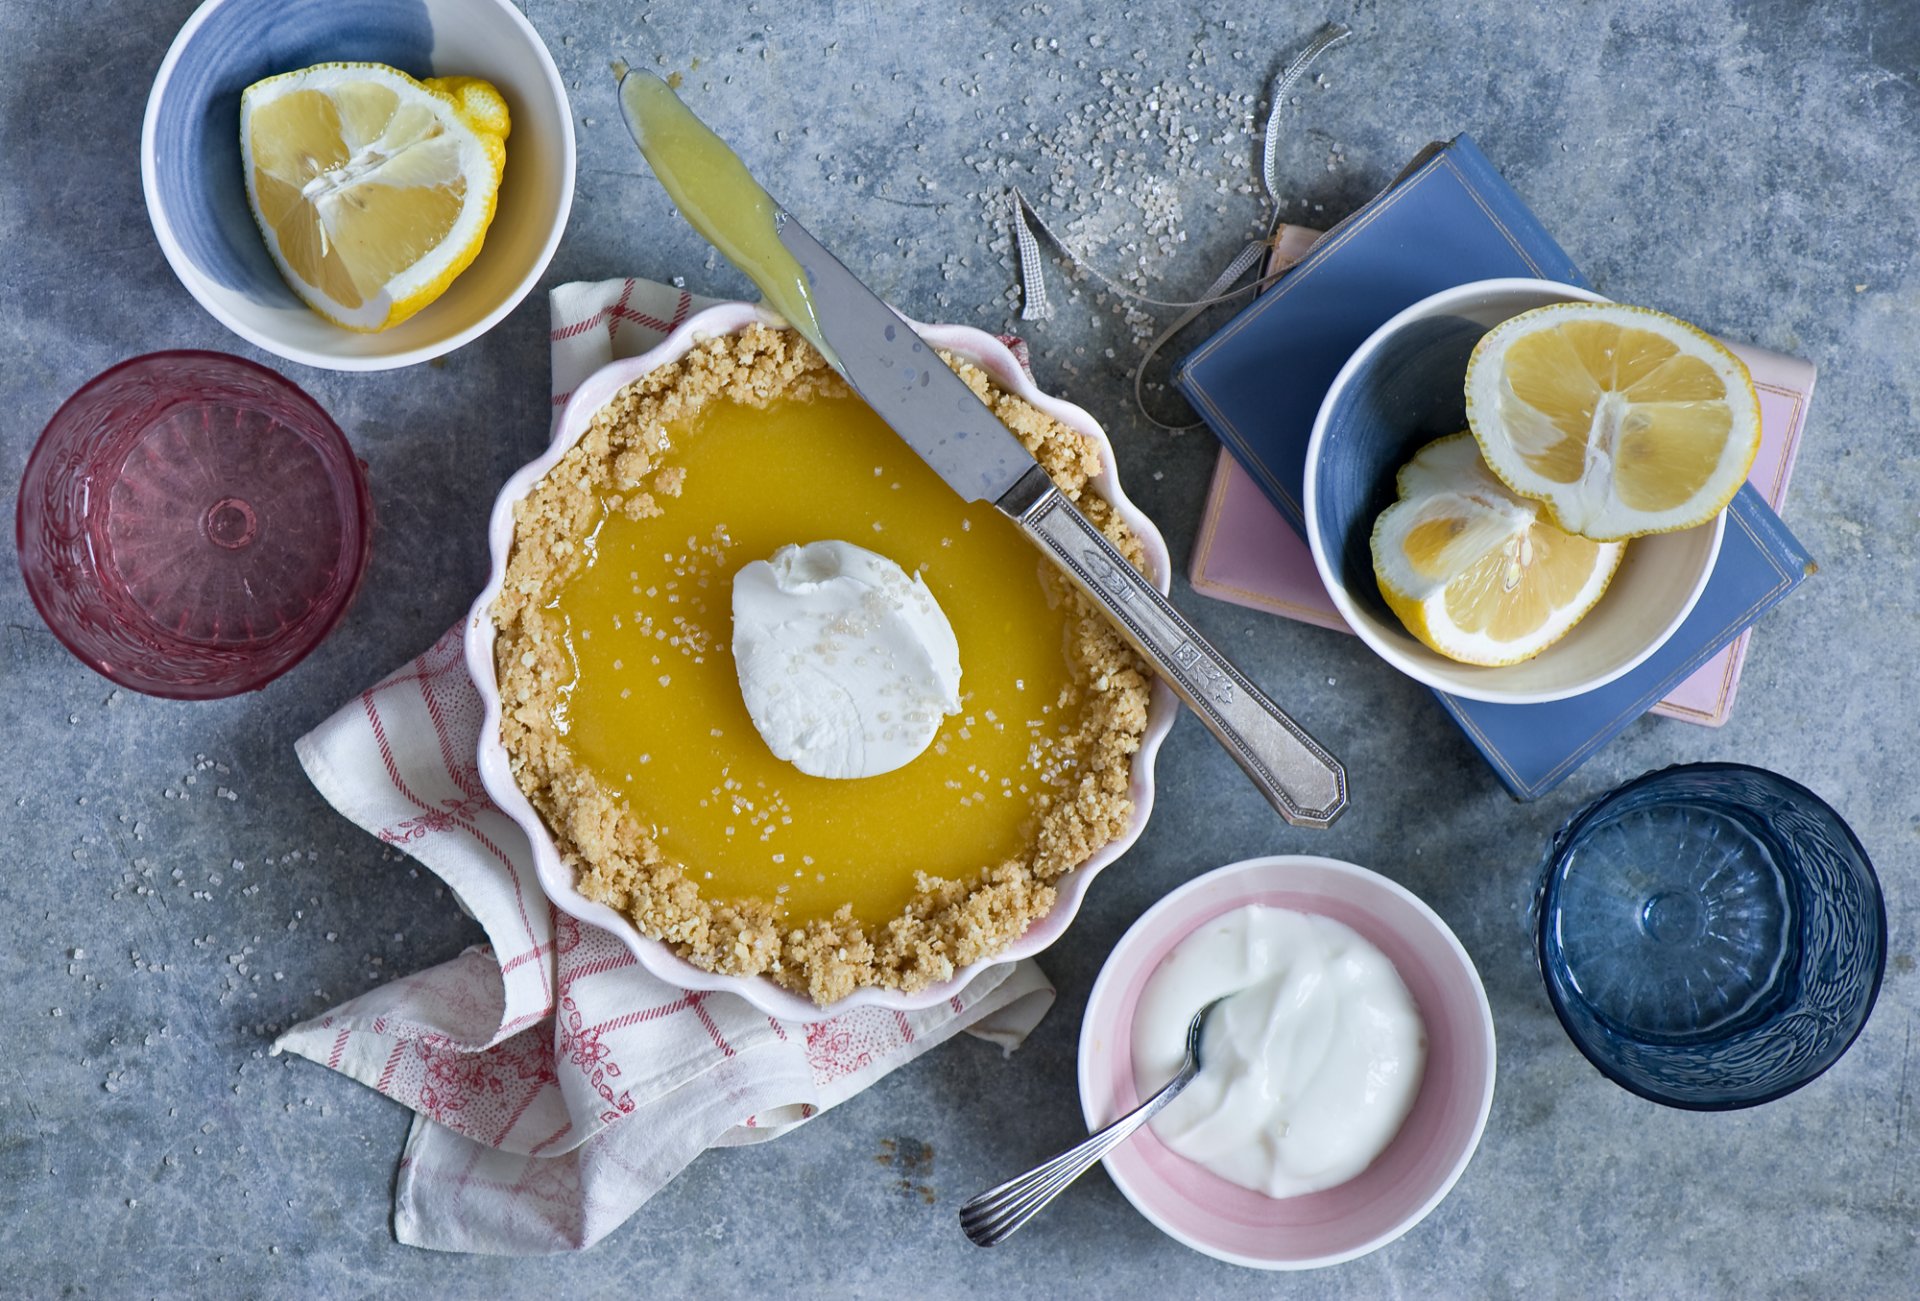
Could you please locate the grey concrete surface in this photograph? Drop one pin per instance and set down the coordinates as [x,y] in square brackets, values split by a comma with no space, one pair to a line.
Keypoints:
[1748,164]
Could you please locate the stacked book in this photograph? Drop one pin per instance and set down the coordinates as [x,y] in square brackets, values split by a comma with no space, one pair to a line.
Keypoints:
[1450,219]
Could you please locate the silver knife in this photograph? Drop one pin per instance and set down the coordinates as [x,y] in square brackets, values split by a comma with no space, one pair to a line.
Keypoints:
[939,417]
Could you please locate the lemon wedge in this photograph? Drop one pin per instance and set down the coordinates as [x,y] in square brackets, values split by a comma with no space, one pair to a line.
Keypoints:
[373,190]
[1476,572]
[1624,421]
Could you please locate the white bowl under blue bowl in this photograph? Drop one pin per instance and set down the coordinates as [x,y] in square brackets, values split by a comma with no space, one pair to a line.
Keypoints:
[1403,388]
[197,198]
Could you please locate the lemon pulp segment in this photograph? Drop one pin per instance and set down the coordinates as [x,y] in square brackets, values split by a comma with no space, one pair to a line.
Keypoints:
[373,190]
[1623,421]
[1474,571]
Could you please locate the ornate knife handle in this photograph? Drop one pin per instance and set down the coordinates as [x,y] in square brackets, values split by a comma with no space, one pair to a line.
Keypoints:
[1299,778]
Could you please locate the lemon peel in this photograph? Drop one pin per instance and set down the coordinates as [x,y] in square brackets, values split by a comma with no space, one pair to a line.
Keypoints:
[1476,572]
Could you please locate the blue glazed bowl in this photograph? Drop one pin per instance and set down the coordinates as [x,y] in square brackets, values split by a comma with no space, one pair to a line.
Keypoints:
[197,198]
[1403,388]
[1712,935]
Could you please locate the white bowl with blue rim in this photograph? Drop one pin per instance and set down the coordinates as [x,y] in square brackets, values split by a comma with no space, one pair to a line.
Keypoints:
[197,198]
[1406,386]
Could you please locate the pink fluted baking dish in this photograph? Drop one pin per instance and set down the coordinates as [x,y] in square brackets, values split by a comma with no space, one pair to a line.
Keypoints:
[728,318]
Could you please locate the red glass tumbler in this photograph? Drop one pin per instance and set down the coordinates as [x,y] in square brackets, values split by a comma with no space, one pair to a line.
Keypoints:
[192,524]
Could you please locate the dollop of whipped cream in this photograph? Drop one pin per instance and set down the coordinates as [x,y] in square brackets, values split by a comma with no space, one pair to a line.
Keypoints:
[846,662]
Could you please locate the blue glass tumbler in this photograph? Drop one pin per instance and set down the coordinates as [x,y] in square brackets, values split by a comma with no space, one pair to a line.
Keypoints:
[1712,935]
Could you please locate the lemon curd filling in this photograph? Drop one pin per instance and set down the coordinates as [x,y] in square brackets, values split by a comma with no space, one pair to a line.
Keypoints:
[717,195]
[621,706]
[654,708]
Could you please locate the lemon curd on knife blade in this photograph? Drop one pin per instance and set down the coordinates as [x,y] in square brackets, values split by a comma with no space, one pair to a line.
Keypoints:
[717,195]
[622,706]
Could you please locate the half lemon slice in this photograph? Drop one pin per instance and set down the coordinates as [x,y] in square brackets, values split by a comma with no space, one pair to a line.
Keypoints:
[1476,572]
[373,190]
[1622,420]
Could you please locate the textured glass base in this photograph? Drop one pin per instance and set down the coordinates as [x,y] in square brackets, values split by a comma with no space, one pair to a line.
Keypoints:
[1711,935]
[1676,920]
[224,524]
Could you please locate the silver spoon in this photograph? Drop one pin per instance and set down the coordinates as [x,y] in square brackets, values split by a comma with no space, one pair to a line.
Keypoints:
[996,1214]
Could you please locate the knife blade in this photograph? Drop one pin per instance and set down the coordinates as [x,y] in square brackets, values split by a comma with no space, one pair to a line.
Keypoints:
[938,416]
[904,380]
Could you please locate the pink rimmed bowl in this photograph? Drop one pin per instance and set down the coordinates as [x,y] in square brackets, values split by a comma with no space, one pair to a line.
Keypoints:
[1420,1165]
[991,355]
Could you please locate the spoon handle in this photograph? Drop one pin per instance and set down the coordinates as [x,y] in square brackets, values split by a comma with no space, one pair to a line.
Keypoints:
[994,1215]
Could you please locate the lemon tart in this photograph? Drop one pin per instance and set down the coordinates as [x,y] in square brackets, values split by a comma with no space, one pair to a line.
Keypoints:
[624,718]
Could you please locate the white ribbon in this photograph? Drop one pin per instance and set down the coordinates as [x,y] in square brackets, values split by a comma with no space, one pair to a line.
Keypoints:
[1026,219]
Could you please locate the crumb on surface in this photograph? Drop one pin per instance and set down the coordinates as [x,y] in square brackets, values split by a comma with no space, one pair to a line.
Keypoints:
[620,462]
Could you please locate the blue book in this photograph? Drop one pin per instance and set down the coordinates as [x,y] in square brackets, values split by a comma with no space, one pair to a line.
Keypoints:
[1448,220]
[1534,747]
[1258,383]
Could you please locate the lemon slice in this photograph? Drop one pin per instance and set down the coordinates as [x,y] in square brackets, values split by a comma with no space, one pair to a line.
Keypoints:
[1476,572]
[1624,421]
[373,190]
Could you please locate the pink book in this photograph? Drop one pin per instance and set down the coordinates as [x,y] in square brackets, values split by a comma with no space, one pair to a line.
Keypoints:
[1247,554]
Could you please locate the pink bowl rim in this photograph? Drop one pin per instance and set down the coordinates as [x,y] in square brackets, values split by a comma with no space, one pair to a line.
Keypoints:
[1107,1009]
[496,774]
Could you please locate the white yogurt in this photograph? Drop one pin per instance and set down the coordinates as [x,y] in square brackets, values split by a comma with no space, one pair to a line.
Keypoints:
[1306,1073]
[847,664]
